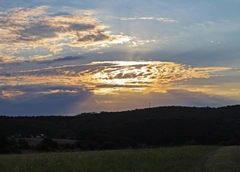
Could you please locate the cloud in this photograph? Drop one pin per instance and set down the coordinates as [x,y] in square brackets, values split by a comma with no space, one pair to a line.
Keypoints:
[64,59]
[11,93]
[37,89]
[166,20]
[25,29]
[41,100]
[93,37]
[161,19]
[114,77]
[4,58]
[60,14]
[50,104]
[72,100]
[141,76]
[72,89]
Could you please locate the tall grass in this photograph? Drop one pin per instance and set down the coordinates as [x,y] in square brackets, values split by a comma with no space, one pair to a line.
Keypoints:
[174,159]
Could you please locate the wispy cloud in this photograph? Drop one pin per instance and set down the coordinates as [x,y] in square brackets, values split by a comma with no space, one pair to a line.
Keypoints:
[11,93]
[161,19]
[113,77]
[64,59]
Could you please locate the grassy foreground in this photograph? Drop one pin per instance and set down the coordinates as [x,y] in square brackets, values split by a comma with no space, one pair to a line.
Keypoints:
[174,159]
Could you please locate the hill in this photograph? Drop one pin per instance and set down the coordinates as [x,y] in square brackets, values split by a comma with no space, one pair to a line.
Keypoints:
[146,127]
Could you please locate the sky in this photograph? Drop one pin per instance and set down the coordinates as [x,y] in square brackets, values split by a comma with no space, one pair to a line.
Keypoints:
[68,57]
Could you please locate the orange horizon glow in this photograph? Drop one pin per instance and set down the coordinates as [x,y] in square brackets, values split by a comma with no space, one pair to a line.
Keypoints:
[114,77]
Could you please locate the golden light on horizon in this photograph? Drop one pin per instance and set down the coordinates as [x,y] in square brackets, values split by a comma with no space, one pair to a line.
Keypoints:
[115,77]
[112,77]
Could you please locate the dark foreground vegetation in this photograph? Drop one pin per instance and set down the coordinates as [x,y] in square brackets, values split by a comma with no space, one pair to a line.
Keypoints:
[154,127]
[166,159]
[174,159]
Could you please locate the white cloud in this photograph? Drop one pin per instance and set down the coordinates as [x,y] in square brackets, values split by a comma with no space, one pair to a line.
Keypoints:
[161,19]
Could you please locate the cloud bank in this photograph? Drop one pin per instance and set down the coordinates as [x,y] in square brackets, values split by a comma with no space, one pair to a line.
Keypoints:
[112,77]
[26,29]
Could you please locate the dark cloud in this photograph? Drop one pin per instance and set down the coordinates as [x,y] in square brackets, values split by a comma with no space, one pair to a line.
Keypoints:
[43,30]
[35,103]
[61,14]
[99,36]
[64,59]
[81,27]
[120,86]
[38,32]
[37,88]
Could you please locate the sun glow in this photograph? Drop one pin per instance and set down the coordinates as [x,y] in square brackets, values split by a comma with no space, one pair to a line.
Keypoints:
[115,77]
[111,77]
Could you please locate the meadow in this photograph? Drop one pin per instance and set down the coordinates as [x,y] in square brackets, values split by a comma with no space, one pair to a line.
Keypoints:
[34,141]
[168,159]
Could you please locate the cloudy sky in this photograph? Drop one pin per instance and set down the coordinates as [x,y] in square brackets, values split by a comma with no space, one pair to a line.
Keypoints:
[68,57]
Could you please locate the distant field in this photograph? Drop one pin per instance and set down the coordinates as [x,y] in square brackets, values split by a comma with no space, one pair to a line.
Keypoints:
[34,141]
[174,159]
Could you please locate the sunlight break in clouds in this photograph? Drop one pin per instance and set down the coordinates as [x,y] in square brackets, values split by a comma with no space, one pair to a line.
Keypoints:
[141,76]
[113,77]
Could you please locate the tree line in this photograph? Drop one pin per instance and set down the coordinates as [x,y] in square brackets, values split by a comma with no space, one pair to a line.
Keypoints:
[151,127]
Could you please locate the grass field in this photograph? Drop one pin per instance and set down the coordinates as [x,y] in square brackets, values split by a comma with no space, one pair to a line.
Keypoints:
[34,141]
[174,159]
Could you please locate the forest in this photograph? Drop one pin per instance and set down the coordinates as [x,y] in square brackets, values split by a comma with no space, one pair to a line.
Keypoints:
[151,127]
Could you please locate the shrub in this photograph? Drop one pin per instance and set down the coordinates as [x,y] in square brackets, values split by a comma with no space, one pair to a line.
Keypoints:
[23,144]
[47,144]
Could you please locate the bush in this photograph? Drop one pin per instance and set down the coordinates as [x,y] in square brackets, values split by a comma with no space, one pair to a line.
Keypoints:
[3,144]
[23,144]
[8,146]
[47,144]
